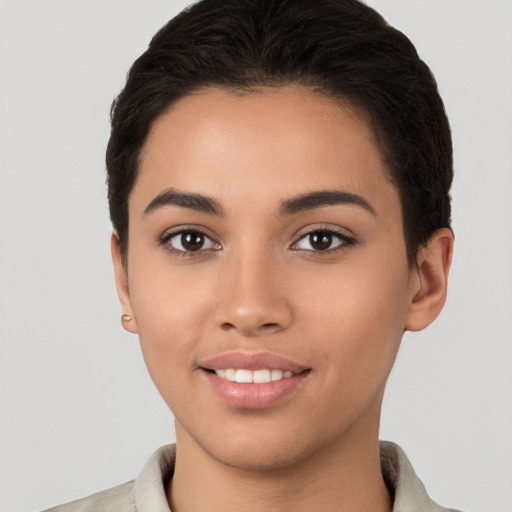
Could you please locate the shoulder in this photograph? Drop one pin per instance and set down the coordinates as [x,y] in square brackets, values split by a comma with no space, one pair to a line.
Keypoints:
[119,498]
[145,494]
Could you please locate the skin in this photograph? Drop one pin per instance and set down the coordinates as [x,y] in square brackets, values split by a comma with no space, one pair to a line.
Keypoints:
[261,286]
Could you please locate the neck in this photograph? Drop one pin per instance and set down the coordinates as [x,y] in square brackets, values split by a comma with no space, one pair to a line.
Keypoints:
[343,475]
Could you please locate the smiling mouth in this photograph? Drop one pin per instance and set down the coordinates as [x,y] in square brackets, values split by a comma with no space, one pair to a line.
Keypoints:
[263,376]
[251,386]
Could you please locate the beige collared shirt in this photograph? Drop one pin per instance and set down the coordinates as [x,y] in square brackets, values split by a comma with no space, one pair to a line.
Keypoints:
[147,492]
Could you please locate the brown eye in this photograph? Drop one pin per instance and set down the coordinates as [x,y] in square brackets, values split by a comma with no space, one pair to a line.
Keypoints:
[320,241]
[190,241]
[323,240]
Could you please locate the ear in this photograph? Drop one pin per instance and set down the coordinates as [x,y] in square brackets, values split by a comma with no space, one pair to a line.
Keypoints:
[430,280]
[123,290]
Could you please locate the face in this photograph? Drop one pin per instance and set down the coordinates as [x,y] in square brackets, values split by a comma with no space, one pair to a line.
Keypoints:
[267,273]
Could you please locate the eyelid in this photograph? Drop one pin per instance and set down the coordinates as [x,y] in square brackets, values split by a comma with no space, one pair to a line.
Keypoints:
[339,232]
[172,232]
[346,240]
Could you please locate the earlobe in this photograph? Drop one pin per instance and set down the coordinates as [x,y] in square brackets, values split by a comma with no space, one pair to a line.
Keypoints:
[123,291]
[431,279]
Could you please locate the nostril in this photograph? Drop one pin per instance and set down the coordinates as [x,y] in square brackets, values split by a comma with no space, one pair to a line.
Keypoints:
[250,330]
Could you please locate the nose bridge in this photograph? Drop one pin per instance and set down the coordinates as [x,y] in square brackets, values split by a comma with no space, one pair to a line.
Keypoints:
[253,301]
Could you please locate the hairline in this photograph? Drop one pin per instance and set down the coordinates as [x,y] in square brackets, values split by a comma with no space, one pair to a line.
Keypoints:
[354,108]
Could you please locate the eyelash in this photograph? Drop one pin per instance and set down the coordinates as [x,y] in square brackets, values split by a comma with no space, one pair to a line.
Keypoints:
[345,241]
[164,241]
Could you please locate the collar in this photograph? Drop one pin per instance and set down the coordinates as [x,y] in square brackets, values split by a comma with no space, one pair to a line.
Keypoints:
[407,489]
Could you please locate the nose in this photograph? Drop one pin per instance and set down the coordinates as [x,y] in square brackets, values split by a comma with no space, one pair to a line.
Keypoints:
[252,297]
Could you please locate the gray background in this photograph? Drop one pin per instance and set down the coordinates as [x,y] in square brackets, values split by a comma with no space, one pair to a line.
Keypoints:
[78,412]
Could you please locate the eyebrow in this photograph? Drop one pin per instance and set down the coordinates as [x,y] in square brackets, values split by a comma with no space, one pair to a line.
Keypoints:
[303,202]
[322,198]
[197,202]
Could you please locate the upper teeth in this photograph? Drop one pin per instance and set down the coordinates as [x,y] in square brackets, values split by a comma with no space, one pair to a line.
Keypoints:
[256,376]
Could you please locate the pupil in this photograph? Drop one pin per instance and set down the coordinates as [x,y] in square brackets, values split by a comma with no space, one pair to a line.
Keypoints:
[321,241]
[192,241]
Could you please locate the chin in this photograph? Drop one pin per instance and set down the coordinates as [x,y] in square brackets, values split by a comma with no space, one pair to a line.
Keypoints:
[264,449]
[257,458]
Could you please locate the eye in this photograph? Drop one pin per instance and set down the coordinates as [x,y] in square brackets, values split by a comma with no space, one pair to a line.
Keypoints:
[323,240]
[189,241]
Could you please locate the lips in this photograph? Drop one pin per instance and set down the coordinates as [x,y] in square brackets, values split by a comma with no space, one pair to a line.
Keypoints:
[252,361]
[253,380]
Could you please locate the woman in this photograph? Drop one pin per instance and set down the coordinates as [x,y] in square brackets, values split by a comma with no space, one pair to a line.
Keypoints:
[265,278]
[278,184]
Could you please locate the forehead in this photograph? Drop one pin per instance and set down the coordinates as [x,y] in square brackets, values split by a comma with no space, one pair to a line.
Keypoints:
[282,141]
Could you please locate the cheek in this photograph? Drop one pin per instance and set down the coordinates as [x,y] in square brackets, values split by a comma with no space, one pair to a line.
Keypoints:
[170,307]
[358,319]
